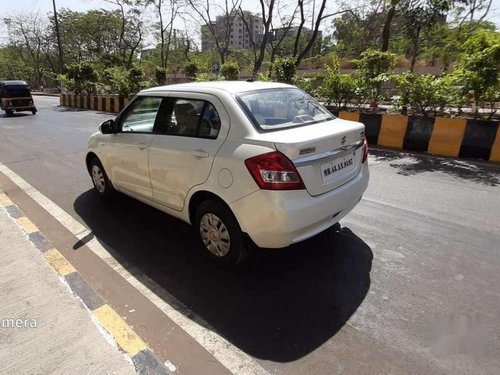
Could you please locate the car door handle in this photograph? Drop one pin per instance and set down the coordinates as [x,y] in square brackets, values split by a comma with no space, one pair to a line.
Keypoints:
[200,153]
[142,146]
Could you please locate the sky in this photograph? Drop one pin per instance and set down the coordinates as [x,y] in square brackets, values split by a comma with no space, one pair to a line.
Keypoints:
[10,7]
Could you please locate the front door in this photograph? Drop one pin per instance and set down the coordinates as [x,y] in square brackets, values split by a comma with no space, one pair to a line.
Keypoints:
[127,153]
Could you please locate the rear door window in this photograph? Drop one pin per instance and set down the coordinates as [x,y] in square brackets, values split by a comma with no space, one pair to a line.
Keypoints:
[191,118]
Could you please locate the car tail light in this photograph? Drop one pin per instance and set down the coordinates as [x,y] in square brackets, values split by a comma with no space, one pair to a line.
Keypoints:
[365,150]
[274,171]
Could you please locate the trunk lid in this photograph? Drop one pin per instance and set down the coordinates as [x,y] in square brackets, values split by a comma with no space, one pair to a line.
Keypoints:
[326,155]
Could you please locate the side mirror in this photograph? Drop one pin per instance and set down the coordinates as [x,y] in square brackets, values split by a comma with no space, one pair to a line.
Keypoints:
[108,127]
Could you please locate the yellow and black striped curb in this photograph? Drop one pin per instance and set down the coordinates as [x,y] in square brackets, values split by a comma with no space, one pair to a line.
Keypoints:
[98,103]
[455,137]
[128,341]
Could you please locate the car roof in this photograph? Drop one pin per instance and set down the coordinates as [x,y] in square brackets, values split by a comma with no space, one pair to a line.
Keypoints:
[13,83]
[231,87]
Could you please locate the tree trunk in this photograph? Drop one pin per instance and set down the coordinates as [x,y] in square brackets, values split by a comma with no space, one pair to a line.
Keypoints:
[314,35]
[58,35]
[414,54]
[386,32]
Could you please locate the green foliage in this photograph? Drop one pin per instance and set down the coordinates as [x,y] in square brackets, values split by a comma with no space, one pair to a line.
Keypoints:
[80,78]
[160,75]
[12,67]
[479,66]
[337,89]
[202,77]
[135,79]
[231,71]
[95,35]
[123,82]
[285,69]
[373,70]
[426,94]
[263,78]
[310,84]
[191,71]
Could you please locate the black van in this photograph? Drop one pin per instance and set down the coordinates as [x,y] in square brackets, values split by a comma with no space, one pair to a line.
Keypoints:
[16,96]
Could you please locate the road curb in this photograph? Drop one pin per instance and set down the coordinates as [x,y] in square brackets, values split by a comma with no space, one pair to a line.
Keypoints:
[129,342]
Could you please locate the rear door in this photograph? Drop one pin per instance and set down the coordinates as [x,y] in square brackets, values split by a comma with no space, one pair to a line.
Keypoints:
[183,150]
[326,155]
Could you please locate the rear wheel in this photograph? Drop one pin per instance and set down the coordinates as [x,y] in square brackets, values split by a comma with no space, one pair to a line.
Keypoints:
[101,182]
[219,233]
[33,111]
[9,112]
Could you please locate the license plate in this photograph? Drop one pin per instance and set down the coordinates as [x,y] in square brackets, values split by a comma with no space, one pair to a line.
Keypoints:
[337,167]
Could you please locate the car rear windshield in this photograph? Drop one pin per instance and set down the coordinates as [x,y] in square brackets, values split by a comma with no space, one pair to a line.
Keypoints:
[277,109]
[16,91]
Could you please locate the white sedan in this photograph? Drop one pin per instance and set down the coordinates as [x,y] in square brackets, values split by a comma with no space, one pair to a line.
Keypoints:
[244,162]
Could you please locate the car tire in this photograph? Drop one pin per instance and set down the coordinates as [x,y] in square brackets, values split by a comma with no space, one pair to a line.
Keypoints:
[102,184]
[219,233]
[9,112]
[33,111]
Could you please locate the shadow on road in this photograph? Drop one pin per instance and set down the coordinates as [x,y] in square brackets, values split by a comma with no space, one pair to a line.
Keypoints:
[412,164]
[61,108]
[278,305]
[16,114]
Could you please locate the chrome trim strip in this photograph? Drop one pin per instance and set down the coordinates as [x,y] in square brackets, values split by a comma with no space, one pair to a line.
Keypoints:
[301,162]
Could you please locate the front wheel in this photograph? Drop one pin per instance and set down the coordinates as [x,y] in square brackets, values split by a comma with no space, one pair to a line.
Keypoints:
[33,111]
[219,233]
[9,112]
[101,182]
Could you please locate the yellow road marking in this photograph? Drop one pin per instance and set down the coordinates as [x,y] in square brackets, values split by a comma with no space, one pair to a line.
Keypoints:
[124,336]
[26,224]
[59,262]
[5,200]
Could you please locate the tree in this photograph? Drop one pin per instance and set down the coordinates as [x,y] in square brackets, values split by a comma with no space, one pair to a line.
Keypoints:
[80,78]
[373,68]
[479,66]
[30,39]
[386,32]
[230,71]
[220,35]
[167,11]
[58,36]
[278,36]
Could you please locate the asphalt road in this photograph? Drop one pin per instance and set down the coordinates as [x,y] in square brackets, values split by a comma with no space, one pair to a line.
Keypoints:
[410,285]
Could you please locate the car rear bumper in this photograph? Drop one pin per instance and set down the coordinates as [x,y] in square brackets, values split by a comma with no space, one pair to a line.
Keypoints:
[275,219]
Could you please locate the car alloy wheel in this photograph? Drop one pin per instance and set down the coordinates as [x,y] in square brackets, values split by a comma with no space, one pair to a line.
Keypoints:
[215,235]
[98,179]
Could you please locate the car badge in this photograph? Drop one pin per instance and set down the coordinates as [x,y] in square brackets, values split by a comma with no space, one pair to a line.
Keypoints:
[308,150]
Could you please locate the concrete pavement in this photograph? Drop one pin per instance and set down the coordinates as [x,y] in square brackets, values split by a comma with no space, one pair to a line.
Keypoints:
[44,328]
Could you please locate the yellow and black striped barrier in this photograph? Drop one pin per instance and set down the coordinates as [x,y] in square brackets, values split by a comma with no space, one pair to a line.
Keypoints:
[113,104]
[455,137]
